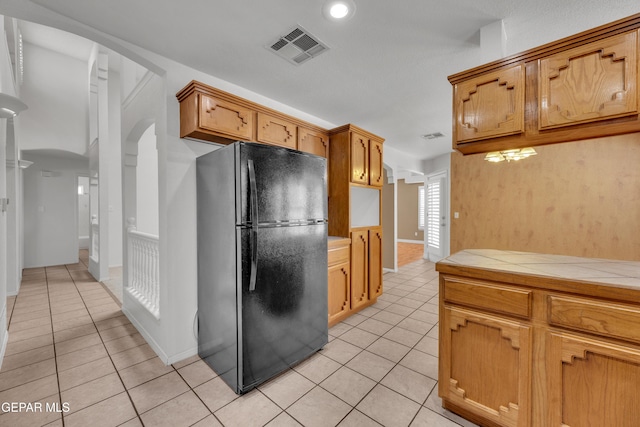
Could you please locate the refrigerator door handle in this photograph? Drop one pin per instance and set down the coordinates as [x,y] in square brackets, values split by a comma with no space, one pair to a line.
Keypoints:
[253,195]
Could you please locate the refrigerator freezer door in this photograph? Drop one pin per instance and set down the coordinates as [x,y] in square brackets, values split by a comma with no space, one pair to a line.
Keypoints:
[284,320]
[291,186]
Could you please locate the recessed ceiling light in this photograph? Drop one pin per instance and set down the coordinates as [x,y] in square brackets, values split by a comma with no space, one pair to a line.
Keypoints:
[339,10]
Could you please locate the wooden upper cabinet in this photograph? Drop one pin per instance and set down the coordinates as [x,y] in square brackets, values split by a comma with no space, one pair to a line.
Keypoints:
[276,131]
[225,117]
[375,163]
[212,115]
[314,142]
[359,158]
[580,87]
[490,105]
[589,83]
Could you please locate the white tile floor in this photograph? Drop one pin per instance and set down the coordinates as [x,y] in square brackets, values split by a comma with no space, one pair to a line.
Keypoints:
[70,344]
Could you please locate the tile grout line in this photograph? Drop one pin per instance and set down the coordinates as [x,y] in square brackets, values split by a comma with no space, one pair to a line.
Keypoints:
[108,354]
[53,339]
[353,407]
[197,395]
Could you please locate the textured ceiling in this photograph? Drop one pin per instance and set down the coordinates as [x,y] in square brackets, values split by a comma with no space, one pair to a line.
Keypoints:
[387,67]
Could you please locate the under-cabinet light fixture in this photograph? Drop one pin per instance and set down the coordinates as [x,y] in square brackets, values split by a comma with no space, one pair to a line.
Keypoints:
[509,155]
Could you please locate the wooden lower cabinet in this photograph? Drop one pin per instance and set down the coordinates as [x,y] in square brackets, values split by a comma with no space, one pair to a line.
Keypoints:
[592,382]
[375,262]
[339,286]
[485,367]
[359,268]
[532,350]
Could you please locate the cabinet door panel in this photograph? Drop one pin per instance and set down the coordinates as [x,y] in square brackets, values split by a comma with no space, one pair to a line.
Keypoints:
[359,268]
[359,159]
[490,105]
[375,262]
[313,142]
[485,366]
[226,118]
[589,83]
[375,164]
[592,382]
[339,292]
[272,130]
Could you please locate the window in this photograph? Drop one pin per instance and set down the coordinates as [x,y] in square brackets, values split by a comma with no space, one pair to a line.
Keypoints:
[433,213]
[421,207]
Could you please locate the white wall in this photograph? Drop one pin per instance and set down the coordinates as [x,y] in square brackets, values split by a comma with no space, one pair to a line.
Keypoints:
[115,171]
[83,213]
[147,218]
[55,89]
[50,208]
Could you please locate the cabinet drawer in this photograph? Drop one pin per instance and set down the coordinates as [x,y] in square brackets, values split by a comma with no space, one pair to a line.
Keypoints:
[489,296]
[339,255]
[596,317]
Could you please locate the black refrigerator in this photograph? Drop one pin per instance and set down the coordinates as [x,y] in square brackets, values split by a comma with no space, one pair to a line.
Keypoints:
[262,260]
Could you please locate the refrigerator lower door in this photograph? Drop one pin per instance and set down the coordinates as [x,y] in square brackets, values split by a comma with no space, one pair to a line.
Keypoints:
[284,319]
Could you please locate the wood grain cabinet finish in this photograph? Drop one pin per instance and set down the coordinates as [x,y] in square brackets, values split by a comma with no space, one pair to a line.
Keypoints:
[339,290]
[589,83]
[521,349]
[313,142]
[580,87]
[485,366]
[591,382]
[276,131]
[359,158]
[359,268]
[375,262]
[490,105]
[226,118]
[212,115]
[375,163]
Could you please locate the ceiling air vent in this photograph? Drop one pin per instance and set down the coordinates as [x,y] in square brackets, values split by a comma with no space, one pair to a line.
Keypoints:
[297,46]
[433,135]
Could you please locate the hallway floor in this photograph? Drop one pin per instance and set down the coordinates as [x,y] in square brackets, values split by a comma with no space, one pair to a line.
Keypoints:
[71,348]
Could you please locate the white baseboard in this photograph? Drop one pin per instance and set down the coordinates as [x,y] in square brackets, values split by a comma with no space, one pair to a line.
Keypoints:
[411,241]
[166,359]
[3,328]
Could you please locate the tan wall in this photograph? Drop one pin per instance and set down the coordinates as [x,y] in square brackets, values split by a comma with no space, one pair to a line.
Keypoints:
[579,198]
[388,247]
[408,211]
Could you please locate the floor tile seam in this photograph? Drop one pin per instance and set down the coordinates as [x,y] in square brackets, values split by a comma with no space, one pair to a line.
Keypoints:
[114,367]
[24,366]
[201,419]
[33,327]
[55,355]
[395,365]
[28,382]
[35,348]
[362,398]
[87,382]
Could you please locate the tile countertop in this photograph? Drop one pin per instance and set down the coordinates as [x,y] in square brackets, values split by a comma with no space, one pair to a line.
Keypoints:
[544,270]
